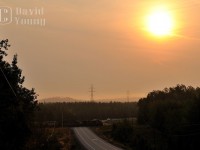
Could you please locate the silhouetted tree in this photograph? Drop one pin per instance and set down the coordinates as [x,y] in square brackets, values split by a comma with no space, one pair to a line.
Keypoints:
[122,131]
[175,112]
[17,103]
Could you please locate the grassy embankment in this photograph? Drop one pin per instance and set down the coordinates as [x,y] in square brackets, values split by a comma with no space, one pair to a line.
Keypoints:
[131,136]
[53,139]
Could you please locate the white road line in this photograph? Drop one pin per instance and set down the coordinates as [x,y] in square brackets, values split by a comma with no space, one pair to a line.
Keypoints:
[108,144]
[91,140]
[98,145]
[83,139]
[102,141]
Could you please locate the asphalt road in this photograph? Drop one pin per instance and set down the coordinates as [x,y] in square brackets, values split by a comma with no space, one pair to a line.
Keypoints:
[91,141]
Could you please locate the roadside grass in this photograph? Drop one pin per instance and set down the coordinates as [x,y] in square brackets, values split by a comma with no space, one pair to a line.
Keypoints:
[141,138]
[53,139]
[67,139]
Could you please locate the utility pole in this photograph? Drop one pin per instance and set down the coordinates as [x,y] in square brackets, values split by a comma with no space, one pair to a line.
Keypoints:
[92,93]
[61,108]
[62,119]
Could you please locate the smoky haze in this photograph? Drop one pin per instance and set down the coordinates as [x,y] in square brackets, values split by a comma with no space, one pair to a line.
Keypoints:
[103,43]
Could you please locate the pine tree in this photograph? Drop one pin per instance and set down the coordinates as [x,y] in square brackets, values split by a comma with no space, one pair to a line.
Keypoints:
[17,103]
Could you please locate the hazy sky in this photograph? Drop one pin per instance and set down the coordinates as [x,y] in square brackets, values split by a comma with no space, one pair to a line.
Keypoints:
[104,43]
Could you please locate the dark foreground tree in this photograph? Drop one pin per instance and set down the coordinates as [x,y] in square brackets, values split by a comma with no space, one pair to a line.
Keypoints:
[175,113]
[17,103]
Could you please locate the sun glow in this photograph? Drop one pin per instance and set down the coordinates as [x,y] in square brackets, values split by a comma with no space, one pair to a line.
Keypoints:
[160,23]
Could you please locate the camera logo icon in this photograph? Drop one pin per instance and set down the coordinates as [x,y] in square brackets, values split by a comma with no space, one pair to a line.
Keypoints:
[5,15]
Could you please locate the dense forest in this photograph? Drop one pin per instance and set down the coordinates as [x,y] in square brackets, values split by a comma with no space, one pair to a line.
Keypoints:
[167,120]
[79,111]
[174,113]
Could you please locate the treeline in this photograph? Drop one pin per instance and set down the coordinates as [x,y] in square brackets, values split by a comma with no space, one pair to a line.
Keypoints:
[80,111]
[174,116]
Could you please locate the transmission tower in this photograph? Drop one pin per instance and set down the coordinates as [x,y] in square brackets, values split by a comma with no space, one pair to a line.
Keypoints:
[92,93]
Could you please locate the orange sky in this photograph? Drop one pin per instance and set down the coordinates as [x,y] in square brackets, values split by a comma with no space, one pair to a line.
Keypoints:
[105,43]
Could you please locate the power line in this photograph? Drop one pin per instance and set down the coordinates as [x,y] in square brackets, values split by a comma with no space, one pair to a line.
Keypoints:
[8,83]
[189,134]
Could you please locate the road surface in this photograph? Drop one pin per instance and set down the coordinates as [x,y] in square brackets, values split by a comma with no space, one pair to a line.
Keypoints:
[91,141]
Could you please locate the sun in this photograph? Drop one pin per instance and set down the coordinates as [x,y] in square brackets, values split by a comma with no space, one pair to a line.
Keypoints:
[160,23]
